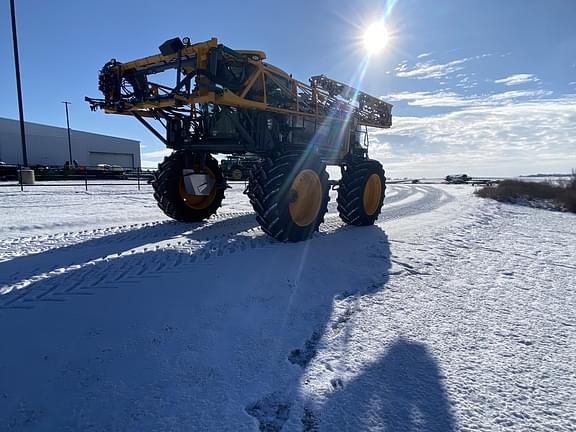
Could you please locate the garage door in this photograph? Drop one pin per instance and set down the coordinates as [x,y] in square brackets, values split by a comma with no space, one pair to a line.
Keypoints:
[125,160]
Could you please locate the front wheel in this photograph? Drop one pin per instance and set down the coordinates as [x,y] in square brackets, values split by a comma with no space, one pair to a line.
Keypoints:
[290,196]
[171,194]
[361,192]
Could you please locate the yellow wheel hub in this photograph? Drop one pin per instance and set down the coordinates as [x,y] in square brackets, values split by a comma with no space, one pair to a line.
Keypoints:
[372,194]
[307,192]
[197,202]
[236,174]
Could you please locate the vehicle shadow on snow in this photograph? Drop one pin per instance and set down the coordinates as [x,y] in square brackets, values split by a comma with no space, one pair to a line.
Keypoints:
[213,336]
[402,391]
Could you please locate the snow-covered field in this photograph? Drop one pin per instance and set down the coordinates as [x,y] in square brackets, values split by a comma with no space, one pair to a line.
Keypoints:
[452,313]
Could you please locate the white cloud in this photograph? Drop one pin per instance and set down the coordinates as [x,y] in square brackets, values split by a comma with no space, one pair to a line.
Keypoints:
[443,98]
[430,70]
[517,79]
[426,54]
[401,67]
[429,99]
[505,97]
[494,140]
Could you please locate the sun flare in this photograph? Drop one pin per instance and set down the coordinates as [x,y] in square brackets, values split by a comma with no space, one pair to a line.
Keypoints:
[375,38]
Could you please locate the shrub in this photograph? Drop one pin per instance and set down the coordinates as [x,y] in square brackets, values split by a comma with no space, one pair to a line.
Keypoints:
[514,190]
[568,199]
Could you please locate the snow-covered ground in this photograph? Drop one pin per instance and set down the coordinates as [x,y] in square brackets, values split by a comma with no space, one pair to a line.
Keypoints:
[452,313]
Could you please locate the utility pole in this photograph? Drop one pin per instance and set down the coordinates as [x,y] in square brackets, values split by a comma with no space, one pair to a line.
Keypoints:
[18,84]
[68,126]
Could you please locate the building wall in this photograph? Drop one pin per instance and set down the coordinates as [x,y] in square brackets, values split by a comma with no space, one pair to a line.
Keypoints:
[48,145]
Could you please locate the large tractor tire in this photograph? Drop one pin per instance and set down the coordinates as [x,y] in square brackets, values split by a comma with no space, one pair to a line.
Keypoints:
[290,196]
[171,195]
[361,192]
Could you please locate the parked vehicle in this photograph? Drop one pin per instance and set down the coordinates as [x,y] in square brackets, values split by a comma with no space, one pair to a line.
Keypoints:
[239,167]
[457,178]
[8,172]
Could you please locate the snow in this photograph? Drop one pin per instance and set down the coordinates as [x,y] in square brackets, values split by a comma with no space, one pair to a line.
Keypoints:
[452,313]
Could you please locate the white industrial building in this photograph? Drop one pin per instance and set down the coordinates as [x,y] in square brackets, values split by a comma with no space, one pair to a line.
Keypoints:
[48,146]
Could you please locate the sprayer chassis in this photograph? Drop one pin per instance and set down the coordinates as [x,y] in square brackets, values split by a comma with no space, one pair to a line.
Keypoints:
[232,102]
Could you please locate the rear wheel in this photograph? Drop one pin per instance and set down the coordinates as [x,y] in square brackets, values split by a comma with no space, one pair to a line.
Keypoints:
[171,194]
[361,192]
[290,196]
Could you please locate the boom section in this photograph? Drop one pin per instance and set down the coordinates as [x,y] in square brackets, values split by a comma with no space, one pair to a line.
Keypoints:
[211,73]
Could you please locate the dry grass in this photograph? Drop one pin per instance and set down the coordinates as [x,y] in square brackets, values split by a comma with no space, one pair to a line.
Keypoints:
[514,191]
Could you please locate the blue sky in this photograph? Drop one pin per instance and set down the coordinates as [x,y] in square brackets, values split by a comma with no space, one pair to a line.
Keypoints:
[483,87]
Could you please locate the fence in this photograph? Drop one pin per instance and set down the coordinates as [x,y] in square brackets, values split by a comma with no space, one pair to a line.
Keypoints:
[81,176]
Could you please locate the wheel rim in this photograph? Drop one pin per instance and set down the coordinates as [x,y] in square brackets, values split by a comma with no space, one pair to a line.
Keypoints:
[306,191]
[236,174]
[372,194]
[197,202]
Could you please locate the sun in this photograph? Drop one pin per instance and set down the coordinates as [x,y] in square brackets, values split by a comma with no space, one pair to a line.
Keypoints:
[375,38]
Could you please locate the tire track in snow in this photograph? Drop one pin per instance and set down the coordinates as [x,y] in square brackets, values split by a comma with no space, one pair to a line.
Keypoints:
[124,254]
[21,246]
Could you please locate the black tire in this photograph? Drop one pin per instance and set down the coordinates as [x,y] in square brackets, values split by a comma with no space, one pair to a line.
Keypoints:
[358,180]
[171,198]
[272,190]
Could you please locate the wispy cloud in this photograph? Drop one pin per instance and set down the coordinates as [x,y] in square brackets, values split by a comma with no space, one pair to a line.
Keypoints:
[506,97]
[444,98]
[429,99]
[517,79]
[466,82]
[427,69]
[430,70]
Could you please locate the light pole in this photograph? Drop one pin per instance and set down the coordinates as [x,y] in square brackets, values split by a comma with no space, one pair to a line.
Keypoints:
[68,126]
[18,84]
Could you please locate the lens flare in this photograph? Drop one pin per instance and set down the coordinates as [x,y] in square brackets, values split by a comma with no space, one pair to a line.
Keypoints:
[375,38]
